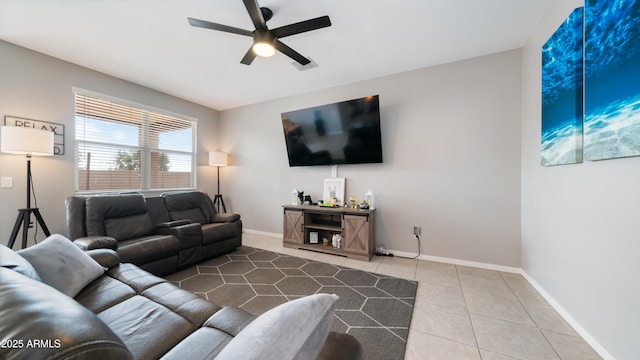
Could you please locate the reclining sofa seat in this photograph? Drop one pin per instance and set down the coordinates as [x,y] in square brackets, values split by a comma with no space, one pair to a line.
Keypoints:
[95,221]
[222,233]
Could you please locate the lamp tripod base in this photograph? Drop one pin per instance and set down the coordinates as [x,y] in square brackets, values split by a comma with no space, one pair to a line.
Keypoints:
[218,200]
[24,220]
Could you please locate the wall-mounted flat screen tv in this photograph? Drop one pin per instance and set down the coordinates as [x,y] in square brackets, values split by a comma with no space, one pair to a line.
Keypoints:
[346,132]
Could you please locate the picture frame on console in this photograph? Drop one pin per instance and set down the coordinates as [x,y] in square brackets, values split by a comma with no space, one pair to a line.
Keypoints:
[334,188]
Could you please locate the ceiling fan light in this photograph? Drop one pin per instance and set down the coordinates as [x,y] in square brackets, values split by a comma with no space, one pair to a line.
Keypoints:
[264,49]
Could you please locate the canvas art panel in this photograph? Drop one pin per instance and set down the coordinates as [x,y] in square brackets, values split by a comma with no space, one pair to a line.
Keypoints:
[612,79]
[562,88]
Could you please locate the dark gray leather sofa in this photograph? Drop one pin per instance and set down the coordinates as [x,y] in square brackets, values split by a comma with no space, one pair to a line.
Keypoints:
[126,313]
[149,232]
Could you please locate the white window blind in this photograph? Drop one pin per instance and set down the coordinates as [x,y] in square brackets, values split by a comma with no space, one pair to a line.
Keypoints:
[123,147]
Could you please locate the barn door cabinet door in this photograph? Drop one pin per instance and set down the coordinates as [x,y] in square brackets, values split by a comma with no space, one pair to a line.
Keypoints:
[356,233]
[293,226]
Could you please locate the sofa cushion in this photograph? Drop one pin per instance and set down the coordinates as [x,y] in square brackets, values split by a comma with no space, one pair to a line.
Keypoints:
[62,265]
[195,215]
[10,260]
[102,207]
[129,227]
[147,249]
[187,200]
[294,330]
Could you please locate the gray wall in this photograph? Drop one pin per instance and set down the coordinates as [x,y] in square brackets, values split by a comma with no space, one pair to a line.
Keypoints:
[36,86]
[451,148]
[580,223]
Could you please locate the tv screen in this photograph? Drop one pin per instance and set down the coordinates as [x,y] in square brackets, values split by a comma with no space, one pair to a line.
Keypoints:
[346,132]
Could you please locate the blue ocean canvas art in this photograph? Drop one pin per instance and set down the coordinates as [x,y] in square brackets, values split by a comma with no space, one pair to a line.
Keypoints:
[612,79]
[562,88]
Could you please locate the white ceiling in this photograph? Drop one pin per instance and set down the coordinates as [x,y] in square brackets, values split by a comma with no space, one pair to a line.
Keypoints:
[150,42]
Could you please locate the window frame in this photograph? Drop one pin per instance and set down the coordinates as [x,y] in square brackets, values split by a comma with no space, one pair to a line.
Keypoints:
[142,146]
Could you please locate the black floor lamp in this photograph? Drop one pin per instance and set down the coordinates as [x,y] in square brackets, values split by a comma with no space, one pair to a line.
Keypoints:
[26,141]
[218,159]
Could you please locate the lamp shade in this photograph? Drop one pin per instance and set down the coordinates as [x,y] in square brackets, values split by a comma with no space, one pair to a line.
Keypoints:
[26,141]
[218,158]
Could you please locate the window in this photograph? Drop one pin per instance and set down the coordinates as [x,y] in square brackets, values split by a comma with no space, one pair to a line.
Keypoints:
[124,147]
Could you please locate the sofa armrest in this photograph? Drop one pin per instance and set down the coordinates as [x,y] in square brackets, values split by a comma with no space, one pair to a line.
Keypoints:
[96,242]
[169,224]
[225,217]
[107,258]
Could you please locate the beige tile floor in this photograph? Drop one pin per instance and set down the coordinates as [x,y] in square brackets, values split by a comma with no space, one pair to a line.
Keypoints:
[467,313]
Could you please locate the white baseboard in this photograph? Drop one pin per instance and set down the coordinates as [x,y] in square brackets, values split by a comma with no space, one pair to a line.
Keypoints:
[445,260]
[567,316]
[262,233]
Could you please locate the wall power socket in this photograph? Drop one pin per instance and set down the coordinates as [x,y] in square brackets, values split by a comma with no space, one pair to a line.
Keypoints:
[6,182]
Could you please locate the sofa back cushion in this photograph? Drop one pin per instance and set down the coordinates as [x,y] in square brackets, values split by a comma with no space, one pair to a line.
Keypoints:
[129,227]
[122,216]
[193,205]
[76,216]
[195,215]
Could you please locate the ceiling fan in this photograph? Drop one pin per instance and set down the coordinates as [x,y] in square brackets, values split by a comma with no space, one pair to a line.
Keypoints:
[266,41]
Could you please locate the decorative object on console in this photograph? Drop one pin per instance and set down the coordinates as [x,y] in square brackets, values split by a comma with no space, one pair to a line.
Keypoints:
[370,199]
[307,200]
[333,191]
[218,159]
[26,141]
[336,241]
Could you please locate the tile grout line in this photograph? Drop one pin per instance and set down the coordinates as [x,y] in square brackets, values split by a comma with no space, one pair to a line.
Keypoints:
[531,317]
[466,307]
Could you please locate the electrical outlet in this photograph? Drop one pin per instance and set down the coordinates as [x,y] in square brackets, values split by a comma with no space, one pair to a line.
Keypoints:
[417,230]
[6,182]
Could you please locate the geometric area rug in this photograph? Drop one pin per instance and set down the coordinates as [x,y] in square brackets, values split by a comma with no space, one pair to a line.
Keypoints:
[375,309]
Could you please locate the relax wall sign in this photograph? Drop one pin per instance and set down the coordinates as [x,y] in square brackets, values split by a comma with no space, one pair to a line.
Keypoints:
[57,129]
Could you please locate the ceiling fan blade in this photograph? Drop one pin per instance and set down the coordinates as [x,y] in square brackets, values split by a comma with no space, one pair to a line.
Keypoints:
[291,53]
[302,26]
[220,27]
[248,57]
[256,15]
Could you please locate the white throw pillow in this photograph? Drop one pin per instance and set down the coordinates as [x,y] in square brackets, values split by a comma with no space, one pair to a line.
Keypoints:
[62,265]
[294,330]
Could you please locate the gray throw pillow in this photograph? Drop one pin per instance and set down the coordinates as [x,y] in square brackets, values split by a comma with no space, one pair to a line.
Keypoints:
[62,265]
[294,330]
[11,260]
